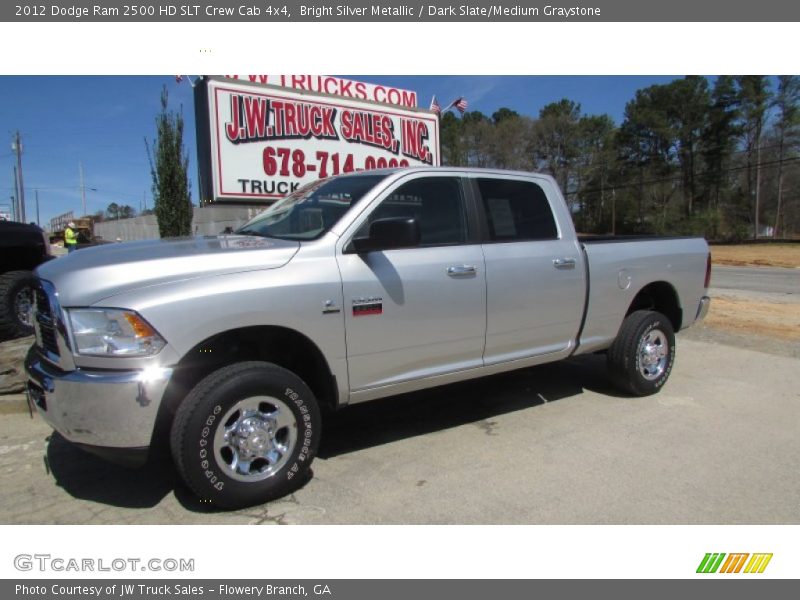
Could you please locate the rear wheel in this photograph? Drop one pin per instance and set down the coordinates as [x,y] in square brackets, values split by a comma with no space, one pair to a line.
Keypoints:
[246,434]
[640,359]
[16,304]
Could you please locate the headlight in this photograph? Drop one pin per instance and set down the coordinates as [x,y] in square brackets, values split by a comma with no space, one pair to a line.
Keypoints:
[113,332]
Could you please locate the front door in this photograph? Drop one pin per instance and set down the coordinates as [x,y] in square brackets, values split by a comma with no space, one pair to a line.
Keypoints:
[418,312]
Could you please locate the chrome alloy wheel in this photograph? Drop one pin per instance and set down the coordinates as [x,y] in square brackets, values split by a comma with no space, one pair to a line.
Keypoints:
[23,306]
[255,438]
[653,350]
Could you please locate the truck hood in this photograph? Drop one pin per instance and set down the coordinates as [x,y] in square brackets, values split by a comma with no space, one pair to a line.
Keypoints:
[92,274]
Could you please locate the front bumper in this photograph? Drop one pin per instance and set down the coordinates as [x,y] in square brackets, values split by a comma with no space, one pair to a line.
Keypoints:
[113,410]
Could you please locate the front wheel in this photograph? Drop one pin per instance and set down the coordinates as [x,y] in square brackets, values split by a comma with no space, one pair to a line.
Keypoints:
[246,434]
[16,302]
[641,357]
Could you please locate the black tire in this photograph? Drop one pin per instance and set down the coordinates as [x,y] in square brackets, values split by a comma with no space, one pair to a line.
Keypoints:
[628,361]
[207,462]
[13,286]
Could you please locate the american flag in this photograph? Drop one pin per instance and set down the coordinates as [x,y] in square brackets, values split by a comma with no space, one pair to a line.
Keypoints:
[178,78]
[435,106]
[461,104]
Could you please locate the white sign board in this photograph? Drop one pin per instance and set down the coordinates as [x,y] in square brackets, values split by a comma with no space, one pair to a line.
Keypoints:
[264,142]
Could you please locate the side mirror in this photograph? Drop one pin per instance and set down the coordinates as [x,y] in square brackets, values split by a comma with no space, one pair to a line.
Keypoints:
[388,234]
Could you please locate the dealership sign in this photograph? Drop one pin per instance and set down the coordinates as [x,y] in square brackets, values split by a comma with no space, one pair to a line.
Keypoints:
[327,84]
[260,142]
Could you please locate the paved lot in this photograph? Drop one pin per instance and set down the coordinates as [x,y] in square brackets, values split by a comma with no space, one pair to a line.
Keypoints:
[553,444]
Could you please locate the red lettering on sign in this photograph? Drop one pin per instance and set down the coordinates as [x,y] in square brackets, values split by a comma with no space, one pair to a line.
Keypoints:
[368,128]
[413,135]
[289,114]
[232,128]
[255,117]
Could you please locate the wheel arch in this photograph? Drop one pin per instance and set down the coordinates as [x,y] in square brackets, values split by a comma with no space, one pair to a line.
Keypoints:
[660,296]
[282,346]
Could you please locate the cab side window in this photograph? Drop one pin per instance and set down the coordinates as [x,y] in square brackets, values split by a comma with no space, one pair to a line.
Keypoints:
[517,210]
[437,204]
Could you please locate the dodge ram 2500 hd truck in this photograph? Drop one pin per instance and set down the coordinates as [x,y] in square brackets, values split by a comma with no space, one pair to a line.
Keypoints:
[353,288]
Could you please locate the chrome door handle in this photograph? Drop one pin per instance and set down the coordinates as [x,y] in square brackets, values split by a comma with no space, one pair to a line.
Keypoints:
[564,263]
[461,271]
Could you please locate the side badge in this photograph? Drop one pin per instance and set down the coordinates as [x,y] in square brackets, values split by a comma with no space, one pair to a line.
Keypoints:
[367,306]
[329,307]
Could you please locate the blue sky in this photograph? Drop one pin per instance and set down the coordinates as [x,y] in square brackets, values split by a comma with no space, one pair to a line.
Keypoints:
[101,122]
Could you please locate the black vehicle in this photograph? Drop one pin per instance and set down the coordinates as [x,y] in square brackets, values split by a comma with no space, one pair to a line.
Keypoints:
[22,249]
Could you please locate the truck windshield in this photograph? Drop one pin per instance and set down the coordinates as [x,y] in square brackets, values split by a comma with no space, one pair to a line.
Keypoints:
[309,212]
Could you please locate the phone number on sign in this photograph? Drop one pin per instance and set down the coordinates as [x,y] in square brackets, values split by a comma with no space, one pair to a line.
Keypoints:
[286,162]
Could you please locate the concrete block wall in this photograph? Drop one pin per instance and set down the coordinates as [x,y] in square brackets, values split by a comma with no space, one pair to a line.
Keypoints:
[206,220]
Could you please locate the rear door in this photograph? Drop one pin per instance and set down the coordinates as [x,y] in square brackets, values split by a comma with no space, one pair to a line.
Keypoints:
[416,312]
[534,271]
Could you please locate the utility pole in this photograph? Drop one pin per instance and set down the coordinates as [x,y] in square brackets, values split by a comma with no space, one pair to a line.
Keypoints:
[15,197]
[758,186]
[83,188]
[614,211]
[37,207]
[17,147]
[780,196]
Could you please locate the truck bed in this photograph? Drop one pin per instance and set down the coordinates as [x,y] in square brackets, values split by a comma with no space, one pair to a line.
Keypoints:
[619,267]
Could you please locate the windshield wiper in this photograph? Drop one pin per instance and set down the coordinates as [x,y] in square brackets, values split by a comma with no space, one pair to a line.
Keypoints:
[252,232]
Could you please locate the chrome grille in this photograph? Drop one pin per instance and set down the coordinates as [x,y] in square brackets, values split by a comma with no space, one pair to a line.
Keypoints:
[45,321]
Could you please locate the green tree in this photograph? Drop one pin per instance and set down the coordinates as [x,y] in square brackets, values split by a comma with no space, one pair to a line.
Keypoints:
[555,140]
[597,151]
[718,142]
[112,211]
[509,143]
[454,151]
[172,205]
[477,133]
[754,98]
[120,211]
[787,103]
[503,113]
[648,147]
[687,114]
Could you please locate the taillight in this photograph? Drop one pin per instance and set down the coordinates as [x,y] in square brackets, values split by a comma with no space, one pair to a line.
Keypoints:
[708,271]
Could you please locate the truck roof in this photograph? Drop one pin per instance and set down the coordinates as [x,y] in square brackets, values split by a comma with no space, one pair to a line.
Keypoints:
[415,169]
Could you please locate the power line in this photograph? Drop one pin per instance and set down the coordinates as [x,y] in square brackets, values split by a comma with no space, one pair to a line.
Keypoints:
[700,151]
[679,178]
[77,188]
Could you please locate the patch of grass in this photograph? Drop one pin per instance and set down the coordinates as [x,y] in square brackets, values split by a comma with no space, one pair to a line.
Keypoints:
[774,319]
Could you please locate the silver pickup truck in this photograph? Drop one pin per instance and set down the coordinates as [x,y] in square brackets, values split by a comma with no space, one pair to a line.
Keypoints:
[353,288]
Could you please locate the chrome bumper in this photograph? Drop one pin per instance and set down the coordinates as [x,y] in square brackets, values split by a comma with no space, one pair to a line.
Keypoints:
[112,409]
[702,309]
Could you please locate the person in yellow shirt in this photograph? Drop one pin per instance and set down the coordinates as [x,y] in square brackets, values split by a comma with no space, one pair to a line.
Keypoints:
[70,237]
